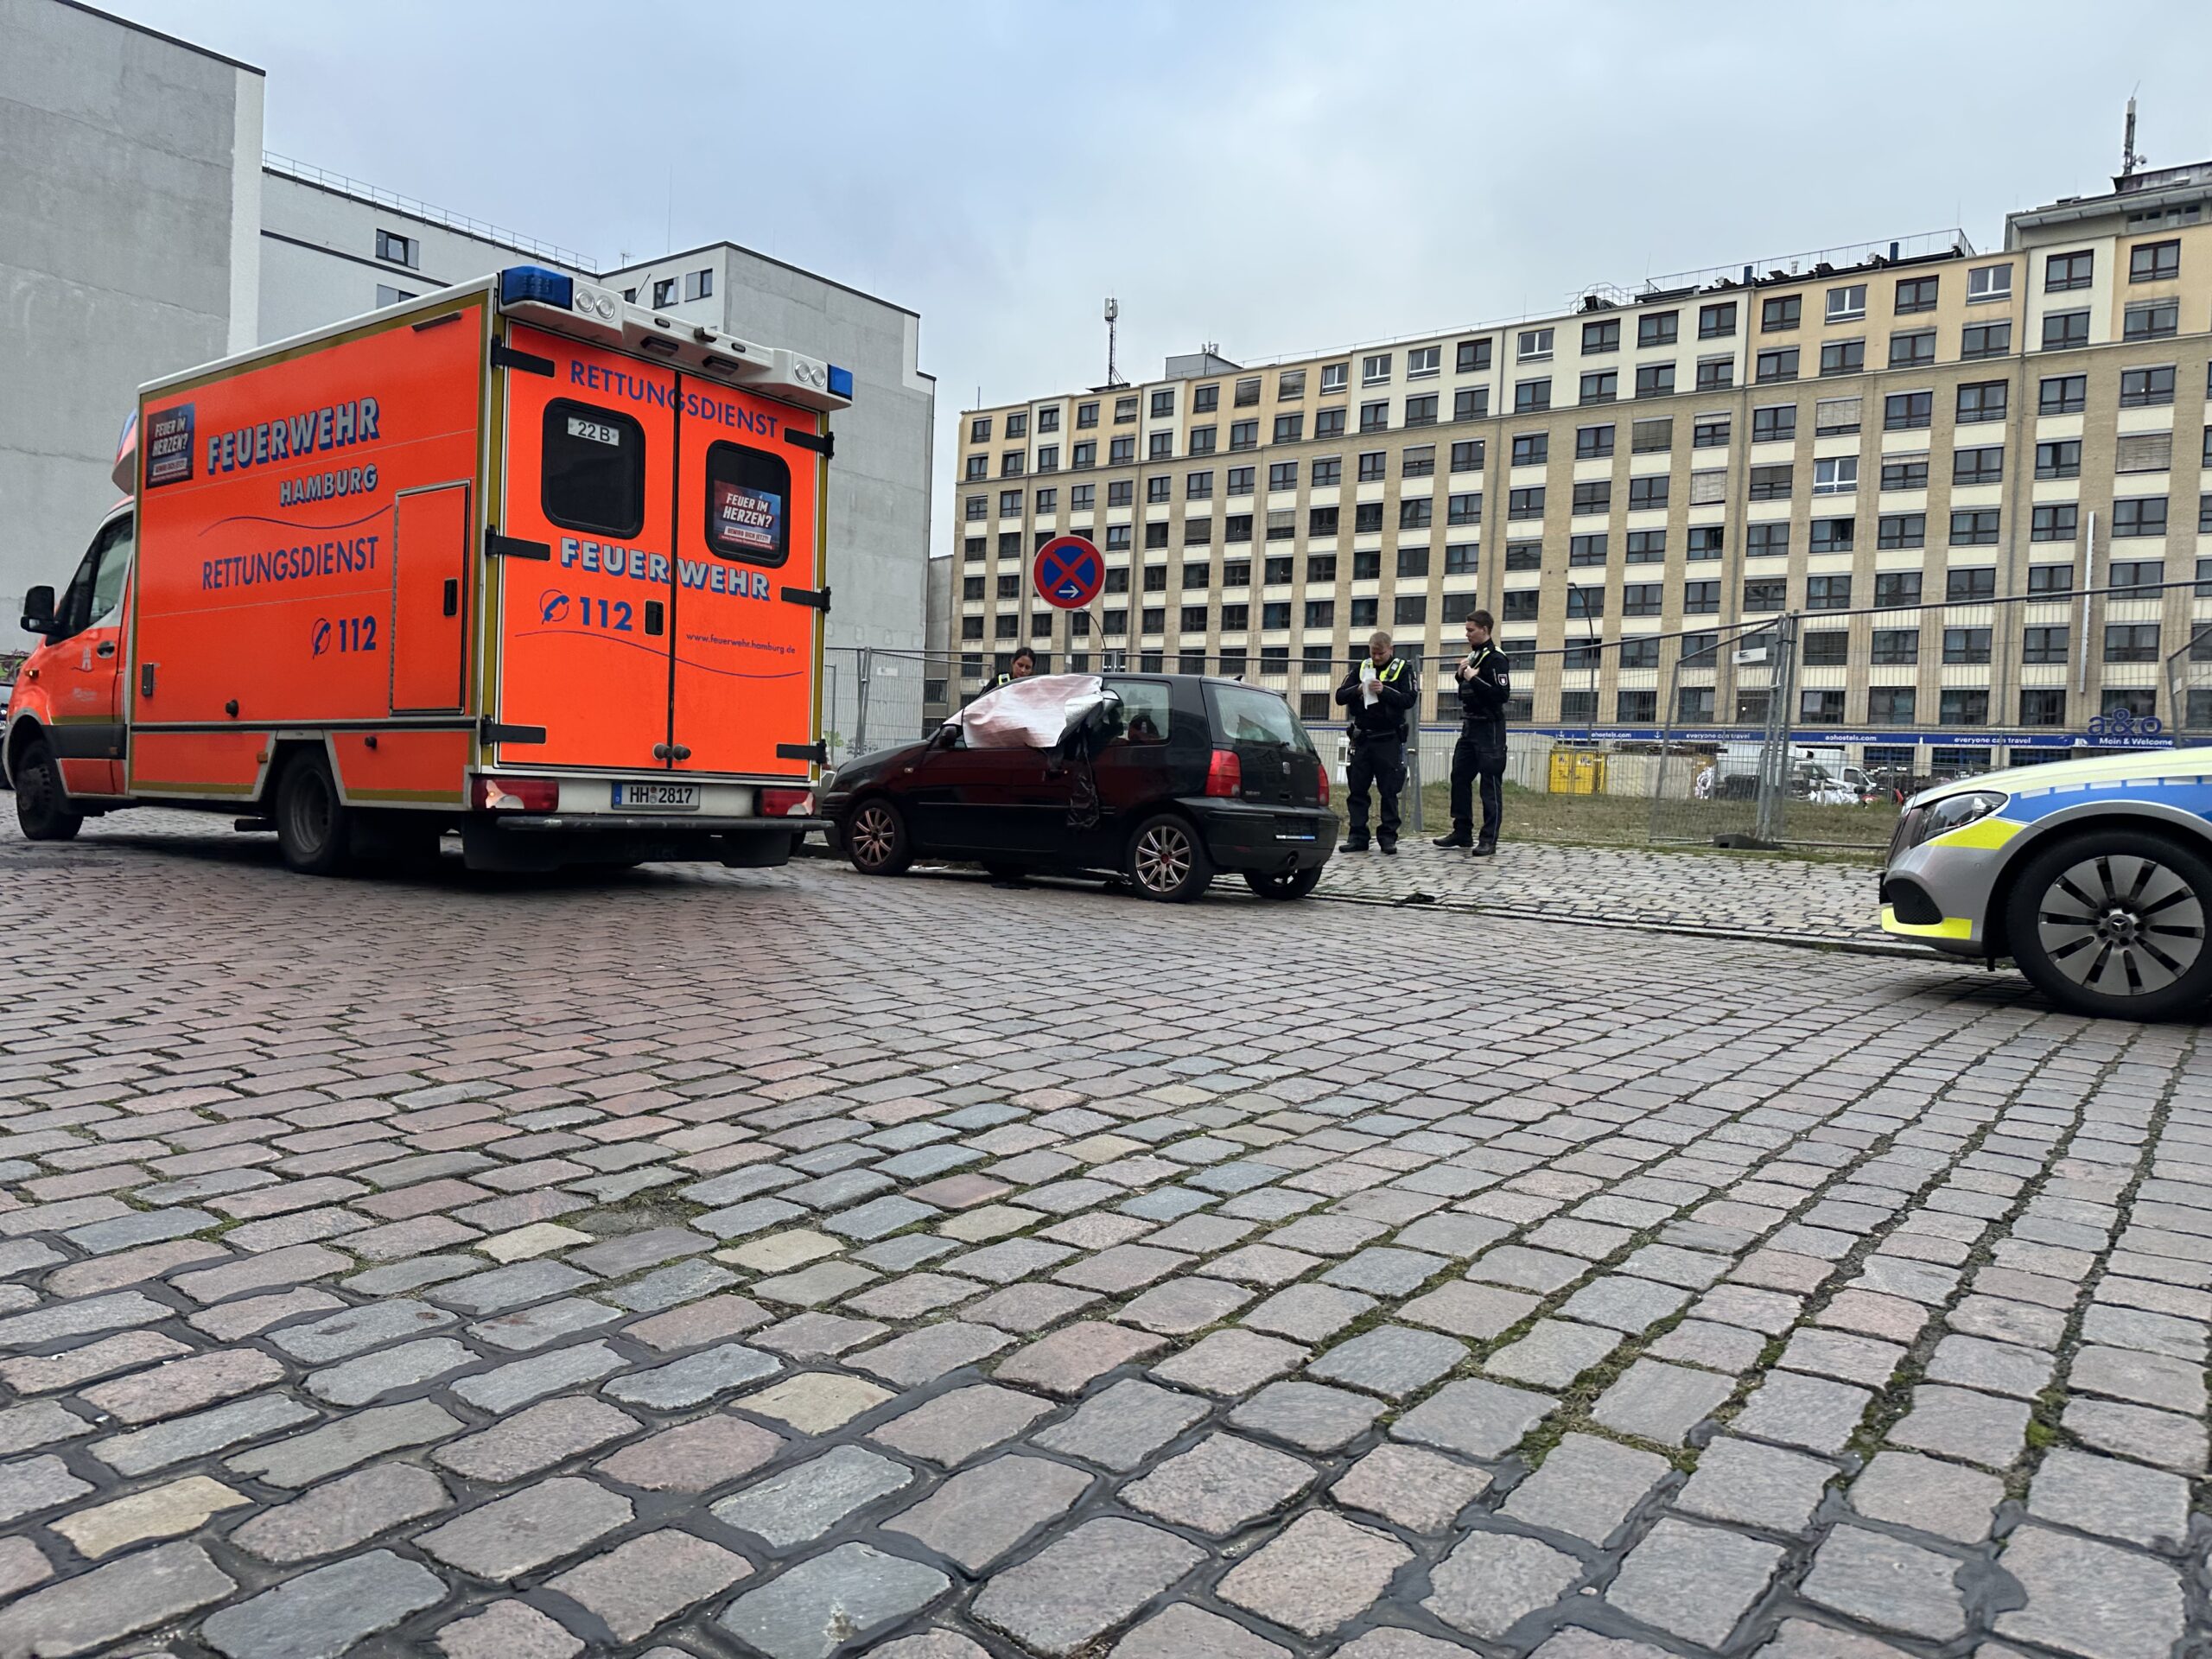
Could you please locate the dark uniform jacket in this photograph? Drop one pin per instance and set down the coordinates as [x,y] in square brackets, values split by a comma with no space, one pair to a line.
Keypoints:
[1383,720]
[1482,696]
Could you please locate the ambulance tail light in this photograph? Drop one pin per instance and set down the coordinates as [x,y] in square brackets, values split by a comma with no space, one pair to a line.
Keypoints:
[519,283]
[786,802]
[517,794]
[1225,775]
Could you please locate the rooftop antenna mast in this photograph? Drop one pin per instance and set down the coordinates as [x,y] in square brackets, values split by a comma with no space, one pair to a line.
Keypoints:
[2129,158]
[1113,316]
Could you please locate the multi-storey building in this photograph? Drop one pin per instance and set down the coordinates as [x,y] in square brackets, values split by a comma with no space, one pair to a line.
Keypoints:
[1894,426]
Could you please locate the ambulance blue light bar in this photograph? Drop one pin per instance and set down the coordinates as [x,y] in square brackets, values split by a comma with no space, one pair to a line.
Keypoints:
[840,382]
[520,282]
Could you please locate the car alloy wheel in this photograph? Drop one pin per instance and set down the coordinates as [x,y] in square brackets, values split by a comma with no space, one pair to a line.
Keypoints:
[1163,857]
[875,839]
[2121,924]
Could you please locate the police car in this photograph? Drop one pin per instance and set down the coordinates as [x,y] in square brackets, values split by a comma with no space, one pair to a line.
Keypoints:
[2093,876]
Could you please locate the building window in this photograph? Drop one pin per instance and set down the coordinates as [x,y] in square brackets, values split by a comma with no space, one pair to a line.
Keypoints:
[1328,422]
[2064,272]
[1974,527]
[1525,503]
[399,250]
[1845,356]
[1846,304]
[1662,328]
[1655,380]
[664,293]
[1975,586]
[1717,321]
[1602,387]
[1156,489]
[2042,708]
[1289,429]
[1895,647]
[1418,462]
[1335,376]
[1467,456]
[1827,593]
[1414,512]
[1464,509]
[1982,465]
[1585,550]
[1530,448]
[2044,647]
[1647,547]
[1247,391]
[1913,351]
[1835,476]
[1471,356]
[2065,330]
[1532,396]
[699,284]
[1890,705]
[2062,394]
[1282,476]
[1596,496]
[2046,579]
[1645,494]
[1082,498]
[1917,294]
[1965,647]
[1784,312]
[2061,459]
[1086,415]
[2055,522]
[1989,282]
[2139,574]
[1986,340]
[1374,371]
[1778,364]
[1593,442]
[1700,599]
[2154,261]
[1771,483]
[1163,403]
[1470,404]
[1901,529]
[1601,336]
[1290,384]
[1776,423]
[1765,593]
[2152,319]
[1412,562]
[1242,435]
[1964,706]
[1984,401]
[1905,472]
[1707,541]
[1767,541]
[1375,418]
[1535,346]
[2139,515]
[1897,589]
[2147,388]
[1716,374]
[1421,411]
[1710,432]
[1326,471]
[1904,411]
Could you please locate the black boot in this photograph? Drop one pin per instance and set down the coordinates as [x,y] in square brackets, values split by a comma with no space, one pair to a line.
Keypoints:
[1458,837]
[1485,849]
[1389,845]
[1358,844]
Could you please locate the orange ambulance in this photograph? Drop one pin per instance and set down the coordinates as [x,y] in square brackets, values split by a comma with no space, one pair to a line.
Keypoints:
[517,559]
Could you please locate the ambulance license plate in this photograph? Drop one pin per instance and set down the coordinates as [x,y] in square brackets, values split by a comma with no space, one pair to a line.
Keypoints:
[657,798]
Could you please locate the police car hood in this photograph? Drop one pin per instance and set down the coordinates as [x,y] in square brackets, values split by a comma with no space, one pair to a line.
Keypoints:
[2122,769]
[1034,713]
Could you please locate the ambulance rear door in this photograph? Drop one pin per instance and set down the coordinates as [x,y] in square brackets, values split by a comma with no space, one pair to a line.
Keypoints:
[582,541]
[749,601]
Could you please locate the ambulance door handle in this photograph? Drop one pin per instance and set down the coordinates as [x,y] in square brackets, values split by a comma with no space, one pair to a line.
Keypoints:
[655,614]
[676,751]
[453,596]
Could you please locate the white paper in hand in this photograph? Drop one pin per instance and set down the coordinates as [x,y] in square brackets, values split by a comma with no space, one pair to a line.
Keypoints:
[1367,682]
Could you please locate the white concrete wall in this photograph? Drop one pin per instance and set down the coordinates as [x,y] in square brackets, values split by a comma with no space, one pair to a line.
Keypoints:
[122,190]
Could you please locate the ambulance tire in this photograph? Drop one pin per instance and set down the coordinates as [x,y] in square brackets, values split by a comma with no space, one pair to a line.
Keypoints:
[314,830]
[876,838]
[1165,860]
[41,798]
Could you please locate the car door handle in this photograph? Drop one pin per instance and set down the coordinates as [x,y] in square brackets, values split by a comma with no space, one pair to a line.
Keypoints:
[106,648]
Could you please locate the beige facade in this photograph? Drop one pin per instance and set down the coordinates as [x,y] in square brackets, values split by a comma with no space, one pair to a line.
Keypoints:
[1884,423]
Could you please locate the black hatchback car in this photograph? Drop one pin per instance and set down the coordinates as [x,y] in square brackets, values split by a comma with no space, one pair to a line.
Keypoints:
[1173,777]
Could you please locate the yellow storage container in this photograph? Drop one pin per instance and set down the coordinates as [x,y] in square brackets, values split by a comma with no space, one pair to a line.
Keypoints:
[1576,771]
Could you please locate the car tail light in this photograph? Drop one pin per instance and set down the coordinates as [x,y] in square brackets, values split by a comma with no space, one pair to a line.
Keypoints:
[1324,773]
[1225,776]
[517,794]
[786,802]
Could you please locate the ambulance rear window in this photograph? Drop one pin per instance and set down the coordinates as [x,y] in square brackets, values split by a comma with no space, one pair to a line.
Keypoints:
[594,469]
[748,503]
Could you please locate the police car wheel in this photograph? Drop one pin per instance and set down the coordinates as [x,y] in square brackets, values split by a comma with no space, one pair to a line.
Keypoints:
[1283,884]
[876,839]
[313,827]
[1167,862]
[2112,924]
[41,798]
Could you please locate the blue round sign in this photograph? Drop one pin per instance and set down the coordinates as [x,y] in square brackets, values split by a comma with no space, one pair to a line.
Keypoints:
[1068,572]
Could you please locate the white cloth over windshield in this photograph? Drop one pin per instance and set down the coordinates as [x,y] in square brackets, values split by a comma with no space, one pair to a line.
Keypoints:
[1034,713]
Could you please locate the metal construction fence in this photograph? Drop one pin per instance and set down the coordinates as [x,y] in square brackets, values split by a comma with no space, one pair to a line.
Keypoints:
[1803,727]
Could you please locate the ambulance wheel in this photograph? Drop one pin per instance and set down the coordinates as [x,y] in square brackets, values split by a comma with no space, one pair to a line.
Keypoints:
[1166,860]
[1283,884]
[42,799]
[876,839]
[314,828]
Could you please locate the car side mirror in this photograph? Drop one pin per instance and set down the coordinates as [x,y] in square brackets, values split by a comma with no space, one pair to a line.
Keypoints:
[38,611]
[944,737]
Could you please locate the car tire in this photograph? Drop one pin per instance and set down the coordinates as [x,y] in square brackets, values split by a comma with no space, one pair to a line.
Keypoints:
[1167,862]
[1283,884]
[41,798]
[2113,924]
[875,838]
[315,828]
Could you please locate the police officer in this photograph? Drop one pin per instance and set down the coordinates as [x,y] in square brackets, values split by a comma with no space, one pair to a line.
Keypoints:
[1485,677]
[1023,665]
[1377,690]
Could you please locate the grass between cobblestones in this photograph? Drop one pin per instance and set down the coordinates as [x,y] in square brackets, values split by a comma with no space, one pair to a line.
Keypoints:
[1839,834]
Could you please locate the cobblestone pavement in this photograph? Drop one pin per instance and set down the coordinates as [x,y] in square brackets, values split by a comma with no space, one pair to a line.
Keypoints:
[1795,899]
[789,1264]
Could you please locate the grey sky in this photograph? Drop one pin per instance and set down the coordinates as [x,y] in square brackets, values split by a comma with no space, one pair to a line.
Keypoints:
[1278,177]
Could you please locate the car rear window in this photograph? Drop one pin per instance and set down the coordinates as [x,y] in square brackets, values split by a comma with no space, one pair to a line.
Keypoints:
[594,469]
[1245,715]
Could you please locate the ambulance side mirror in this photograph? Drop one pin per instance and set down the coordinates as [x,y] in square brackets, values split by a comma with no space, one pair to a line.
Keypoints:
[38,611]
